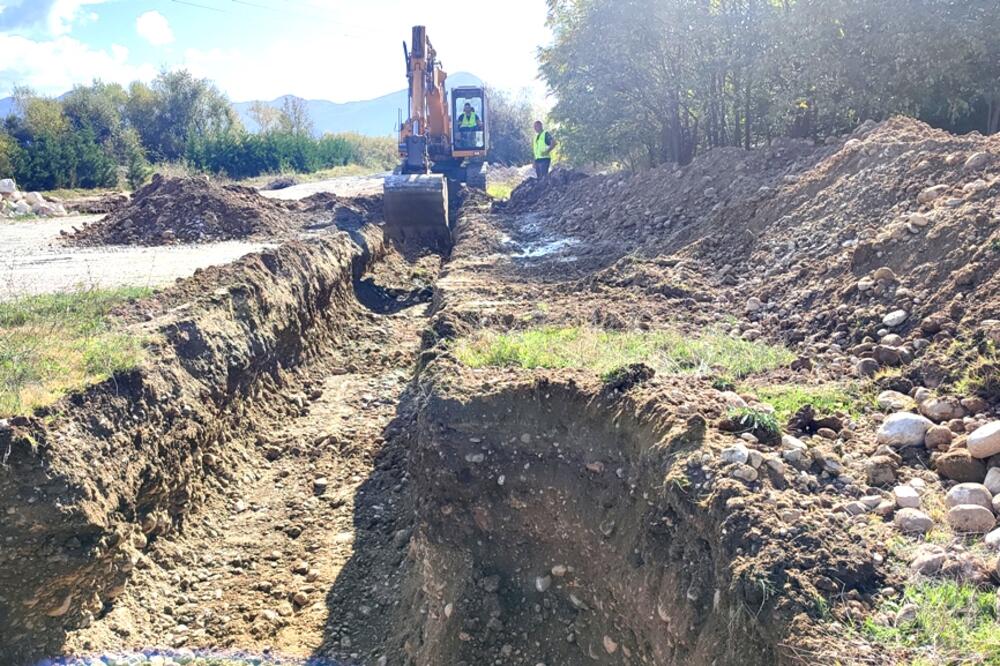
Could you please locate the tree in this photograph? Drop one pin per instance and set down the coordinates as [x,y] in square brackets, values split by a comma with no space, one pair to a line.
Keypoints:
[510,121]
[176,107]
[294,118]
[648,81]
[266,117]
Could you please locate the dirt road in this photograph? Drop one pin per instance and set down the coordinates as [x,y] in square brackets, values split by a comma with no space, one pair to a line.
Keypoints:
[33,259]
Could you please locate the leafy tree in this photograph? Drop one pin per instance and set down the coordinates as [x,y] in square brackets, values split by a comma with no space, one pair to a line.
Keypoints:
[175,107]
[294,117]
[511,133]
[649,81]
[266,117]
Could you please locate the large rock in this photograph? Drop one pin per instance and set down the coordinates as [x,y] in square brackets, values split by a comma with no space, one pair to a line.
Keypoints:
[976,161]
[906,497]
[942,409]
[959,465]
[895,401]
[931,193]
[992,481]
[971,519]
[985,441]
[7,186]
[904,429]
[938,437]
[34,199]
[881,470]
[970,493]
[914,521]
[895,318]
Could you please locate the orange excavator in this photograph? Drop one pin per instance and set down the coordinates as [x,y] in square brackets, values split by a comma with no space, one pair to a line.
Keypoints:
[443,142]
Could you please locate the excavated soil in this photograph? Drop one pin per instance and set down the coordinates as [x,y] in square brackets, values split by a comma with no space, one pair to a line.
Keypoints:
[188,210]
[305,470]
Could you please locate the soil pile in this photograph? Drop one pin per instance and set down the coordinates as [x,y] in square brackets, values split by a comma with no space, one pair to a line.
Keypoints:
[533,191]
[188,210]
[818,239]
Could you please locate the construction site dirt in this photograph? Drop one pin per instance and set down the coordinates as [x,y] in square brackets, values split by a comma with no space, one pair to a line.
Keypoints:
[335,455]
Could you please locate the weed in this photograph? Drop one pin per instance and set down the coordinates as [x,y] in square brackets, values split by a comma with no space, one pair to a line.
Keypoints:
[787,399]
[54,343]
[954,623]
[710,353]
[723,384]
[995,244]
[756,421]
[982,375]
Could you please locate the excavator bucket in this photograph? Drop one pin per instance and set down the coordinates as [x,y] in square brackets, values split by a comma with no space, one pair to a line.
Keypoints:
[416,213]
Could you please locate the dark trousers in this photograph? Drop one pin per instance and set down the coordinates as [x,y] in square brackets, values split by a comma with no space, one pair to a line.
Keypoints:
[542,167]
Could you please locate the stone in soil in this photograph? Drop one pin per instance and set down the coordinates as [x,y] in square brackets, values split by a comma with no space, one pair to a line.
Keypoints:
[971,519]
[984,442]
[903,429]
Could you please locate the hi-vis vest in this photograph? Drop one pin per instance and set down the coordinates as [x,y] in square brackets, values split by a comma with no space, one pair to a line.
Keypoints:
[469,121]
[542,146]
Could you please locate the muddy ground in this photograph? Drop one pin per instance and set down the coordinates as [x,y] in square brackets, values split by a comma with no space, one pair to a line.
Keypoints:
[306,470]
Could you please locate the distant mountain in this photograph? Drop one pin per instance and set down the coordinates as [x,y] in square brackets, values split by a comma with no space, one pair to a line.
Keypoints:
[373,117]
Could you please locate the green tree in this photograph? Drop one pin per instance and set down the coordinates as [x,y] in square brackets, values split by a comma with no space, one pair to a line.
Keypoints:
[175,107]
[511,133]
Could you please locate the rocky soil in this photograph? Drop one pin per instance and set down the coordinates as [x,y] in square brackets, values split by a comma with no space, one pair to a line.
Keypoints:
[188,210]
[309,471]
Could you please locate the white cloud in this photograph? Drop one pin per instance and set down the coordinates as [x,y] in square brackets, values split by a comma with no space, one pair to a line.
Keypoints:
[67,13]
[54,66]
[154,28]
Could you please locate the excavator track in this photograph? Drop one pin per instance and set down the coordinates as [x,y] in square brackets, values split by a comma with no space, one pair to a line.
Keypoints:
[416,213]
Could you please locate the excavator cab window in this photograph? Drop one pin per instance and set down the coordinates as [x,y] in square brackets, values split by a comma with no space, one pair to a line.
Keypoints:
[470,119]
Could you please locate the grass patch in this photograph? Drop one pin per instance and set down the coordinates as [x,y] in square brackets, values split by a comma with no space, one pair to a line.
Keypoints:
[787,399]
[711,353]
[982,375]
[954,623]
[501,190]
[55,343]
[756,421]
[78,192]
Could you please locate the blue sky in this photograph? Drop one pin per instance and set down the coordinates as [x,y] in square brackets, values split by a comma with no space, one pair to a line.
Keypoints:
[260,49]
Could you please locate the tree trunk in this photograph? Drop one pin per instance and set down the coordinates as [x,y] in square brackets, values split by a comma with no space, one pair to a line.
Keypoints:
[993,117]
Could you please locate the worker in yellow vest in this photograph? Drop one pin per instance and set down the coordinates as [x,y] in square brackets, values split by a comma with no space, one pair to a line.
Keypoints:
[468,125]
[542,148]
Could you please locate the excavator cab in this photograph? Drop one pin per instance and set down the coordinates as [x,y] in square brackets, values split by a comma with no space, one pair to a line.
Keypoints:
[471,129]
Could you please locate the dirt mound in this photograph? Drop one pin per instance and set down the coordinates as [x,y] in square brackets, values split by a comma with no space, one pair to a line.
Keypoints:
[534,191]
[188,210]
[805,230]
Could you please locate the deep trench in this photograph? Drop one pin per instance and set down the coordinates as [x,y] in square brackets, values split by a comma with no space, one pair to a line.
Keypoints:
[526,525]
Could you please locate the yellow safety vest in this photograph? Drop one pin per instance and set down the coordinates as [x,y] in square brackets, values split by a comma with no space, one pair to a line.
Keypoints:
[469,121]
[541,146]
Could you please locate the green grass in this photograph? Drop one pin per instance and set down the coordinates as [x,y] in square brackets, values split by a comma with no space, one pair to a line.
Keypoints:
[501,190]
[756,421]
[955,623]
[55,343]
[787,399]
[711,353]
[982,374]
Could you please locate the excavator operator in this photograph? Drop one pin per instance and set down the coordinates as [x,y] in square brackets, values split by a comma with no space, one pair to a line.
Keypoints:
[468,125]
